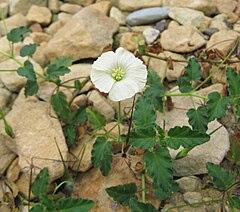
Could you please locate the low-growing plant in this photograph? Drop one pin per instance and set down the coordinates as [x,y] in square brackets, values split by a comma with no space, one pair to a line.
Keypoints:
[144,134]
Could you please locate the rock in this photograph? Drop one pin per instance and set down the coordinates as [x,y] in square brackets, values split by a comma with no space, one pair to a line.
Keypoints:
[206,6]
[218,24]
[41,15]
[225,6]
[211,151]
[182,39]
[81,2]
[39,37]
[54,5]
[12,80]
[117,15]
[161,26]
[13,171]
[191,183]
[22,6]
[6,154]
[186,16]
[64,17]
[54,27]
[70,8]
[4,9]
[81,154]
[39,57]
[192,197]
[102,6]
[220,76]
[92,185]
[132,5]
[127,41]
[147,16]
[236,27]
[12,22]
[223,41]
[80,100]
[101,105]
[210,31]
[150,35]
[80,34]
[36,136]
[36,27]
[23,185]
[5,97]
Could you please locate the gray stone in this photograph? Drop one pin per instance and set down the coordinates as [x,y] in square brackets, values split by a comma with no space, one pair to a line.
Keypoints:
[79,39]
[161,26]
[150,35]
[22,6]
[191,183]
[212,151]
[132,5]
[210,31]
[36,136]
[147,16]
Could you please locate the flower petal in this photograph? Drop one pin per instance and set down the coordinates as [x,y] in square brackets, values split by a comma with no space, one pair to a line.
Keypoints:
[102,80]
[123,89]
[105,62]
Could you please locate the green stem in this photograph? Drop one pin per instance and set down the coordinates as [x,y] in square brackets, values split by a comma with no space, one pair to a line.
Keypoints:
[7,70]
[143,188]
[119,121]
[164,115]
[187,94]
[7,127]
[58,186]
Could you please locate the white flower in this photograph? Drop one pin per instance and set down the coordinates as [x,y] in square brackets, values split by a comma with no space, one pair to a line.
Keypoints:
[120,74]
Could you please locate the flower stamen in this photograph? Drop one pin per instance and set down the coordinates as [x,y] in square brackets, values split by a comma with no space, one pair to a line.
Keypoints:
[117,73]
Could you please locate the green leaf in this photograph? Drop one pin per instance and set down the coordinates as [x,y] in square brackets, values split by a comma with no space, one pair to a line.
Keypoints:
[233,80]
[77,85]
[17,35]
[234,154]
[80,117]
[193,70]
[198,119]
[97,120]
[31,88]
[144,115]
[185,136]
[40,185]
[184,85]
[62,61]
[28,50]
[74,205]
[217,106]
[152,78]
[27,71]
[144,138]
[69,131]
[141,207]
[159,167]
[38,208]
[222,178]
[61,107]
[102,155]
[183,153]
[123,194]
[234,201]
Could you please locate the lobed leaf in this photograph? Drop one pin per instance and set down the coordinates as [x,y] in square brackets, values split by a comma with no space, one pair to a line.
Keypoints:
[123,194]
[97,120]
[102,155]
[184,85]
[80,117]
[198,119]
[27,71]
[70,134]
[234,201]
[216,105]
[74,205]
[222,178]
[141,207]
[40,185]
[31,88]
[38,208]
[28,50]
[17,35]
[233,81]
[193,70]
[185,136]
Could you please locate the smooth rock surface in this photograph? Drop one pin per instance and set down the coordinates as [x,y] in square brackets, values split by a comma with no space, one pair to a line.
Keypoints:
[13,171]
[81,2]
[181,39]
[85,36]
[5,97]
[212,151]
[191,183]
[147,16]
[70,8]
[4,9]
[150,35]
[41,15]
[35,136]
[117,15]
[132,5]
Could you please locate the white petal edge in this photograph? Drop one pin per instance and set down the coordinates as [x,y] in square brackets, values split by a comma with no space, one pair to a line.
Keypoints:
[105,62]
[102,80]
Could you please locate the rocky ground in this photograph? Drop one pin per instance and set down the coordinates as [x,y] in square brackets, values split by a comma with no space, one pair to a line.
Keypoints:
[83,29]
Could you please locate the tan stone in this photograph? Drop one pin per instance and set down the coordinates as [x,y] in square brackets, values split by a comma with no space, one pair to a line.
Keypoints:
[118,15]
[81,2]
[39,37]
[70,8]
[219,24]
[132,5]
[41,15]
[54,5]
[54,27]
[13,171]
[102,6]
[64,17]
[127,41]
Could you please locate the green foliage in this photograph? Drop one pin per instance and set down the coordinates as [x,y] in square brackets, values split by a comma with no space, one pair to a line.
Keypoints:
[40,185]
[193,70]
[69,131]
[97,120]
[80,117]
[158,165]
[144,115]
[143,138]
[222,178]
[234,201]
[186,137]
[61,107]
[102,155]
[17,35]
[28,50]
[233,80]
[74,205]
[184,84]
[217,106]
[123,194]
[141,207]
[38,208]
[198,119]
[58,67]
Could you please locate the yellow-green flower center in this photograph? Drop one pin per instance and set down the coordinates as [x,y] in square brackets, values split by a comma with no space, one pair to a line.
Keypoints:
[117,73]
